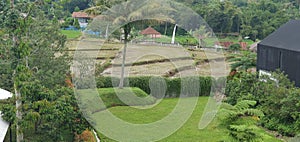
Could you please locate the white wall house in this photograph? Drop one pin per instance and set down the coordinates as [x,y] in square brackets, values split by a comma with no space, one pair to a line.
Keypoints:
[82,18]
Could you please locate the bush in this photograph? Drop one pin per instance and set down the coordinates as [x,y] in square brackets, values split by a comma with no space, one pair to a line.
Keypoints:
[86,136]
[173,85]
[279,100]
[123,97]
[187,40]
[90,103]
[235,47]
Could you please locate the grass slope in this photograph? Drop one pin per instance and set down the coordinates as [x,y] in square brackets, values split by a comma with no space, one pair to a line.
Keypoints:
[113,97]
[71,34]
[189,132]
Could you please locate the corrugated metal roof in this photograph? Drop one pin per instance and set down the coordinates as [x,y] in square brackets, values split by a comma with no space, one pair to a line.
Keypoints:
[286,37]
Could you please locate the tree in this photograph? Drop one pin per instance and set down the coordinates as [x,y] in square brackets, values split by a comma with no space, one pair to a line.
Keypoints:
[243,61]
[235,47]
[76,23]
[35,54]
[77,9]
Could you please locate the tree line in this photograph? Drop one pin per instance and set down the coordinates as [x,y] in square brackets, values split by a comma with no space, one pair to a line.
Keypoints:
[35,67]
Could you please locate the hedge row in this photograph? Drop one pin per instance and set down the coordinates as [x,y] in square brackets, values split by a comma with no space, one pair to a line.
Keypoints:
[112,97]
[172,87]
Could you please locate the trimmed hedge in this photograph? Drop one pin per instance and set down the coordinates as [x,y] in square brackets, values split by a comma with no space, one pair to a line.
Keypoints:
[173,85]
[130,96]
[112,97]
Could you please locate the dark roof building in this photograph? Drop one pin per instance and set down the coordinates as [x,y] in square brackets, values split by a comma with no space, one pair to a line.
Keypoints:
[281,50]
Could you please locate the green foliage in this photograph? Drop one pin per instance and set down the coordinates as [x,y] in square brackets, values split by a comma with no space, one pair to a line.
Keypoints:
[243,61]
[279,100]
[39,66]
[68,22]
[245,133]
[186,40]
[235,47]
[8,109]
[76,23]
[254,19]
[240,120]
[71,34]
[189,131]
[102,66]
[110,97]
[77,9]
[173,85]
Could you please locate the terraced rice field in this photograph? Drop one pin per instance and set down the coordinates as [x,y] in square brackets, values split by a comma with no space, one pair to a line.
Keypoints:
[144,60]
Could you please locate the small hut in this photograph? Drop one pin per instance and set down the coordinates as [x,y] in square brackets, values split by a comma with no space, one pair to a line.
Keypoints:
[151,33]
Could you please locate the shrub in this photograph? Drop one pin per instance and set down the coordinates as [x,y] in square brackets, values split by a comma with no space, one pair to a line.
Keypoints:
[89,99]
[86,136]
[173,85]
[240,120]
[279,100]
[235,47]
[123,97]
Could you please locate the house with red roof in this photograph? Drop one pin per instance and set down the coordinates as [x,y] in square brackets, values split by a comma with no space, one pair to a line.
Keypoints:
[82,18]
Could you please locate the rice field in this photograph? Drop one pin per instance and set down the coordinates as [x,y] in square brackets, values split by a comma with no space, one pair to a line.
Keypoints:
[156,60]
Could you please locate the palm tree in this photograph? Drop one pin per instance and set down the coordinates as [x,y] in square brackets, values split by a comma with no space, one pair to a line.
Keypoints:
[131,13]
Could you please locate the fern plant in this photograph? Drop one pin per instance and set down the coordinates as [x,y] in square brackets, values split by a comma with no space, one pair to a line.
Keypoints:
[240,120]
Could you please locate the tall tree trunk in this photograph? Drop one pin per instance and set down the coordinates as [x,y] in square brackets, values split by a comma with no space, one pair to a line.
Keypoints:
[12,4]
[18,114]
[127,29]
[10,133]
[17,93]
[106,32]
[166,28]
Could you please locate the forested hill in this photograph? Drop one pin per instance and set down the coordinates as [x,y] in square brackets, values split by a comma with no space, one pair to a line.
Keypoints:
[253,18]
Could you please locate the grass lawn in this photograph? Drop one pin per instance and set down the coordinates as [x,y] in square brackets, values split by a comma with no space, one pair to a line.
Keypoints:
[236,40]
[189,131]
[71,34]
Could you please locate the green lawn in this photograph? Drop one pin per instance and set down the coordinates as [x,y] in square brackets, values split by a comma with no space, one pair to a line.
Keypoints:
[71,34]
[189,131]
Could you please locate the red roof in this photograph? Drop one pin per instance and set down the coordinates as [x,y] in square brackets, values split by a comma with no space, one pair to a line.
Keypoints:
[80,15]
[150,31]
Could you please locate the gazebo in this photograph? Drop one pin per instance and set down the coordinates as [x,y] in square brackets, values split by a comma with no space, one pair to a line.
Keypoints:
[3,124]
[151,33]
